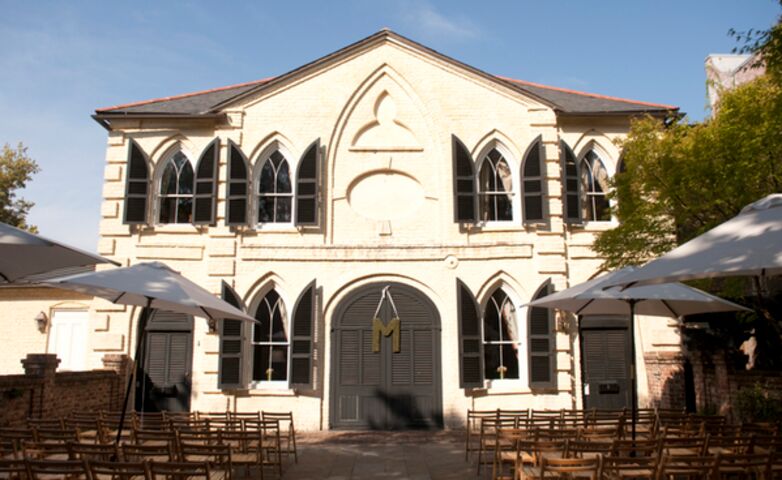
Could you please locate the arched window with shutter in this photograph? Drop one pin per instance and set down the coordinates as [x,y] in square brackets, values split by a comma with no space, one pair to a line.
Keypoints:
[533,183]
[274,189]
[136,186]
[501,339]
[495,188]
[463,183]
[571,183]
[307,186]
[238,181]
[594,185]
[175,193]
[204,198]
[271,341]
[541,342]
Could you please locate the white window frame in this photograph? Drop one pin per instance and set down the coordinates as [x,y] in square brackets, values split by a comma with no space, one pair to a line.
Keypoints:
[250,359]
[160,167]
[521,331]
[260,160]
[513,164]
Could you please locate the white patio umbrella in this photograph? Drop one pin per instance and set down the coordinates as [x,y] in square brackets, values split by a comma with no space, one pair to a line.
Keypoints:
[749,244]
[668,300]
[152,285]
[23,254]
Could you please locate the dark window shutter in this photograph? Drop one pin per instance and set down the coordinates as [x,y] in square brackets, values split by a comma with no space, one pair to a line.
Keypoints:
[463,183]
[238,187]
[204,198]
[230,372]
[541,343]
[571,181]
[307,186]
[533,184]
[136,186]
[301,340]
[470,344]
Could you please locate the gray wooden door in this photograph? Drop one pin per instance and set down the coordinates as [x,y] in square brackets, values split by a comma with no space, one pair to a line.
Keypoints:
[386,389]
[605,347]
[164,384]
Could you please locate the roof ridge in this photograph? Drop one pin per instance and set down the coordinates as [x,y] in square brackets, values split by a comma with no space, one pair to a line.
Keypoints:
[183,95]
[587,94]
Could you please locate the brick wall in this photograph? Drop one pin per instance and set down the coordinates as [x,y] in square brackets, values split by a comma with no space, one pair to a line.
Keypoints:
[43,392]
[665,375]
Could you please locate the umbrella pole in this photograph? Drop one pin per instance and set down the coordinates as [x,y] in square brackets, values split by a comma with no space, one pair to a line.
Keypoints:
[142,324]
[633,376]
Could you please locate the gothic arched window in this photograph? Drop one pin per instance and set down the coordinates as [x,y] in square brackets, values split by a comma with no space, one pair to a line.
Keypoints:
[270,340]
[594,187]
[176,190]
[495,188]
[275,190]
[501,337]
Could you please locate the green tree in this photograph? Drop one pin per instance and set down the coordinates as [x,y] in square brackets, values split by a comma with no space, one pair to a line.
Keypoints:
[681,180]
[16,169]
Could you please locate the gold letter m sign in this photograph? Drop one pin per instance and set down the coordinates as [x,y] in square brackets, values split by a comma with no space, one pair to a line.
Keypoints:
[380,330]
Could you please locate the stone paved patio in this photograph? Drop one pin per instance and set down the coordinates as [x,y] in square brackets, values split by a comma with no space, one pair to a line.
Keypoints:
[380,455]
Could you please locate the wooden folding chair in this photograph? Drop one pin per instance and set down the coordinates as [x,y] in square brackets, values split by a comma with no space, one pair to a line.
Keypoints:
[686,446]
[49,469]
[245,447]
[691,466]
[472,429]
[624,468]
[217,456]
[62,435]
[163,452]
[11,440]
[637,448]
[179,470]
[45,450]
[47,423]
[742,465]
[506,449]
[588,448]
[271,442]
[287,432]
[728,444]
[13,468]
[487,438]
[118,470]
[150,421]
[93,451]
[570,468]
[88,428]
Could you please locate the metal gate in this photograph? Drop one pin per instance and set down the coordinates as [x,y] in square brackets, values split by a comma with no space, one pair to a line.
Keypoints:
[605,353]
[386,375]
[165,382]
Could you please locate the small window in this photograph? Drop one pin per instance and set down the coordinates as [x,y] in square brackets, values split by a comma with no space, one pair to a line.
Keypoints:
[501,339]
[176,191]
[495,188]
[270,340]
[275,191]
[594,187]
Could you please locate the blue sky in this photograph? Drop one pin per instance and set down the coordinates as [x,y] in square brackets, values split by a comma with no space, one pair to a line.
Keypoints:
[61,60]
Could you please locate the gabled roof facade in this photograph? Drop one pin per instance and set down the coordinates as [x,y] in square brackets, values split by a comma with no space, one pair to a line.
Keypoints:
[209,103]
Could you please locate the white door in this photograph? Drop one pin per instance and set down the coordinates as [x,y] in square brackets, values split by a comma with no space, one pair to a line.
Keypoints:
[68,338]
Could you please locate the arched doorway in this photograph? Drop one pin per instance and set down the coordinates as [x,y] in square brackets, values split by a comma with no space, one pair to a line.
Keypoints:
[164,384]
[380,385]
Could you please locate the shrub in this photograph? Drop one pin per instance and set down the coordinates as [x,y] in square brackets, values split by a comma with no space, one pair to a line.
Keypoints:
[753,404]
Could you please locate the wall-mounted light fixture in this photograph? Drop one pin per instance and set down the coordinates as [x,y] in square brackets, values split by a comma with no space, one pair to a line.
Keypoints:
[43,321]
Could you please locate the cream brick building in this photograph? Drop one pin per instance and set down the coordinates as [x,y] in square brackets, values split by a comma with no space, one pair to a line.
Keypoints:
[384,164]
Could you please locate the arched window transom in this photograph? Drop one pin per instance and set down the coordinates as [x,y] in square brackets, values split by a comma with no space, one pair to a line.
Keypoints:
[270,340]
[501,338]
[594,187]
[275,191]
[176,190]
[495,188]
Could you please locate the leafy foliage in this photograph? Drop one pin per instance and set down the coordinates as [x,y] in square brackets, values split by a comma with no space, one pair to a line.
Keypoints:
[753,404]
[766,45]
[16,169]
[681,180]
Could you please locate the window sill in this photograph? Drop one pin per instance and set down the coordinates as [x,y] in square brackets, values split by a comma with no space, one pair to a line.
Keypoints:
[595,226]
[177,228]
[276,228]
